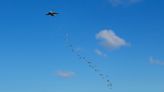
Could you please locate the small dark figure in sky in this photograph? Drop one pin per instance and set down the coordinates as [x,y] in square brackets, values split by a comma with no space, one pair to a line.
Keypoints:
[52,13]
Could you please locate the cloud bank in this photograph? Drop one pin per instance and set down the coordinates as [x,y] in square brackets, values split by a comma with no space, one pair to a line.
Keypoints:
[155,61]
[100,53]
[65,74]
[110,40]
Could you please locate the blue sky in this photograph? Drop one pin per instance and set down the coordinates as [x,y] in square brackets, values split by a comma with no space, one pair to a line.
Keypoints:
[124,38]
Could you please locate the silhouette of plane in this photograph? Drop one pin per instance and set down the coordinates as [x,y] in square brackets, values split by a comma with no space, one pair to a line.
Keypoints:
[52,13]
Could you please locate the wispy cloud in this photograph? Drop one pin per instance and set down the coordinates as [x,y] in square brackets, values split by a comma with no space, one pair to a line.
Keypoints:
[110,40]
[100,53]
[65,74]
[123,2]
[155,61]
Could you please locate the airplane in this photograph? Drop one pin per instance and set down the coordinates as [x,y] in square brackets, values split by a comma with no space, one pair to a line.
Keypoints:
[52,13]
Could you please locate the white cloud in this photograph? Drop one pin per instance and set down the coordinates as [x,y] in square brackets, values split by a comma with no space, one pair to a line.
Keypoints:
[100,53]
[155,61]
[65,74]
[123,2]
[110,40]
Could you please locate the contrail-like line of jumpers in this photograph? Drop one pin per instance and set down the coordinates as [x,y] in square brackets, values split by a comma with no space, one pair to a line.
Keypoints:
[89,62]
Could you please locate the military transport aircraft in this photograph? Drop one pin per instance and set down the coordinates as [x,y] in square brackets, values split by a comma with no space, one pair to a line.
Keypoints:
[52,13]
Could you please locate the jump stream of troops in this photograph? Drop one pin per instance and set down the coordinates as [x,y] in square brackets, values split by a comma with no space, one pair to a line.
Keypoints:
[89,62]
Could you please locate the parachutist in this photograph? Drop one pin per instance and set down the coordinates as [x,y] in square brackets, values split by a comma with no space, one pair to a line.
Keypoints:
[89,62]
[96,70]
[101,74]
[108,80]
